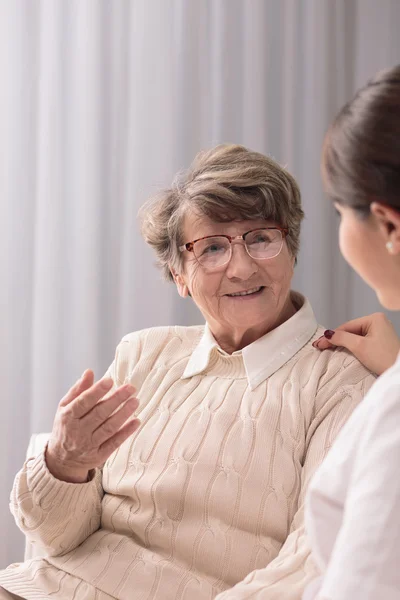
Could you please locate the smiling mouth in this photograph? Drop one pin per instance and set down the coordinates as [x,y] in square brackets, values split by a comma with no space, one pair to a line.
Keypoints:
[252,292]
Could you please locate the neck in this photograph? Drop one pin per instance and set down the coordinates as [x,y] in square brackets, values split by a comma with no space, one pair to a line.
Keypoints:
[232,339]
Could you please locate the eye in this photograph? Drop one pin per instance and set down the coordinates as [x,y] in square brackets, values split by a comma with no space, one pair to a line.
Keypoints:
[264,237]
[213,248]
[261,238]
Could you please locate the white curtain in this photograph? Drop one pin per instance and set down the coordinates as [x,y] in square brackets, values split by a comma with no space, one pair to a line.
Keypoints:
[101,102]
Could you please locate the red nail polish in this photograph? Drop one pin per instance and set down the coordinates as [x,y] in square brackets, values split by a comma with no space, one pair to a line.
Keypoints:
[329,334]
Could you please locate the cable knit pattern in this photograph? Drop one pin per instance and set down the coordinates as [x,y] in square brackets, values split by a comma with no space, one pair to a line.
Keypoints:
[206,499]
[55,529]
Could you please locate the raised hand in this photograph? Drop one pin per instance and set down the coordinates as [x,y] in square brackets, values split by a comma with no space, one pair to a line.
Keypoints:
[89,427]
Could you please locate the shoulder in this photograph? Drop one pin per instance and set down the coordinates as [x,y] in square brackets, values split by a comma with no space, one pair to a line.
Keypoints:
[156,345]
[157,338]
[379,432]
[335,379]
[384,398]
[338,368]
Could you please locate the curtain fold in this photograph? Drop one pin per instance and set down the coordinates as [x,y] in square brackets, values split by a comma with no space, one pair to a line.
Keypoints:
[101,103]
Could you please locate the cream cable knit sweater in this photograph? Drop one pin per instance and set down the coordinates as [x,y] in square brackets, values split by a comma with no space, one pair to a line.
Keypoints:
[206,500]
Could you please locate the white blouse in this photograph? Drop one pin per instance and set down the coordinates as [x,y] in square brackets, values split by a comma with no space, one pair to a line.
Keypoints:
[353,503]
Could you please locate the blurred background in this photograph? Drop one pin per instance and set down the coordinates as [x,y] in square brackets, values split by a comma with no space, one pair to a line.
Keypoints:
[101,103]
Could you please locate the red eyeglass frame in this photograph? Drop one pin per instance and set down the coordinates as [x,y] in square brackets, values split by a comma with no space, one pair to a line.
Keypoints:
[189,246]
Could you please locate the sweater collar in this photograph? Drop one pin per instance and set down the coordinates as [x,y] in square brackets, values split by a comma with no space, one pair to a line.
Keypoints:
[266,355]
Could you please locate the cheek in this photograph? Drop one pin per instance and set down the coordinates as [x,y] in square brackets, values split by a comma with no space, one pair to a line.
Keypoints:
[279,271]
[346,242]
[203,285]
[357,247]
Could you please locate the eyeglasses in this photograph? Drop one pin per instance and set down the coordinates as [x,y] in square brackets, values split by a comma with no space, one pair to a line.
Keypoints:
[214,251]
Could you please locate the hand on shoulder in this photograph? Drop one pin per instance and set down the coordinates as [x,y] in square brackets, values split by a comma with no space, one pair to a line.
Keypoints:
[372,339]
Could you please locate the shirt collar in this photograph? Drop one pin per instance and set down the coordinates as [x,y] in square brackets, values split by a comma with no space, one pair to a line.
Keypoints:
[267,354]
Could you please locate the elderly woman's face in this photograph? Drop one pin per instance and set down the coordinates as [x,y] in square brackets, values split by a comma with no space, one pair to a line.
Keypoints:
[213,290]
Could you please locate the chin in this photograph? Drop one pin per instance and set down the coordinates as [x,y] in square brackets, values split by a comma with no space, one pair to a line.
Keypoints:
[389,299]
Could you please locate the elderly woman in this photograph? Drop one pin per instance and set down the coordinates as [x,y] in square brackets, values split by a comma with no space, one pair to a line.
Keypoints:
[203,499]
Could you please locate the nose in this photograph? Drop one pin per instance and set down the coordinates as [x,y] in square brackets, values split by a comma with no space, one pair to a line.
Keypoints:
[242,265]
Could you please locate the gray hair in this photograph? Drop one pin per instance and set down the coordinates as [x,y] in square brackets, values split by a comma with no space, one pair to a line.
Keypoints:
[227,183]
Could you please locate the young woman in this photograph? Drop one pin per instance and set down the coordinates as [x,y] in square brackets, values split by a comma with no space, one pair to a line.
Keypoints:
[353,503]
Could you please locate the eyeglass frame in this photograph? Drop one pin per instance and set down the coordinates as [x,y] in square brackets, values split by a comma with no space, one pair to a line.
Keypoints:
[189,246]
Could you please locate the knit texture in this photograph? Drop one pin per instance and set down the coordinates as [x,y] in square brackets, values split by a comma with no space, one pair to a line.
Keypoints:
[206,499]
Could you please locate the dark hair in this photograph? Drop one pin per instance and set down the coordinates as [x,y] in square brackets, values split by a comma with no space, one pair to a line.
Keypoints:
[361,154]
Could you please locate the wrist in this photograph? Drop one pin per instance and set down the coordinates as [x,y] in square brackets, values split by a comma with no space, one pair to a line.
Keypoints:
[64,473]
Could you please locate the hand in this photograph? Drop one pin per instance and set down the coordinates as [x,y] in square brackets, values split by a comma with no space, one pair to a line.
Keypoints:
[372,339]
[88,428]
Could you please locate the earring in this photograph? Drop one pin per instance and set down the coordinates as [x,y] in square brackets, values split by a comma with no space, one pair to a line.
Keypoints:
[389,246]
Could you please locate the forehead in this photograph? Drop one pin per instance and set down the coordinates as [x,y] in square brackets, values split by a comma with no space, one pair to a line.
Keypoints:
[196,226]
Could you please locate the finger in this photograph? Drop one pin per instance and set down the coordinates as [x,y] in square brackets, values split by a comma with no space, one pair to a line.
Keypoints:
[115,422]
[105,408]
[350,341]
[117,439]
[85,401]
[84,383]
[323,344]
[358,326]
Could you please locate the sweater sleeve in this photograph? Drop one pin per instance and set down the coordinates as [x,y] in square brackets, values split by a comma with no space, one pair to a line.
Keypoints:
[293,569]
[53,514]
[56,515]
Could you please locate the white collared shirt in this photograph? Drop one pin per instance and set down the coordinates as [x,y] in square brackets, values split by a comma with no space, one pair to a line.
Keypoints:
[353,503]
[266,355]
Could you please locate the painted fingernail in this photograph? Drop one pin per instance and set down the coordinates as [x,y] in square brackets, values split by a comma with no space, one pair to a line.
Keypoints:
[329,334]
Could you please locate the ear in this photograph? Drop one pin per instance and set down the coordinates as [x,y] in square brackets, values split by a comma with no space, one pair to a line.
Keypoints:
[180,283]
[388,221]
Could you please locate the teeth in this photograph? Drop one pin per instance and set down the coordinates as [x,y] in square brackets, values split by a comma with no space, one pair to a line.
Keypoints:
[257,289]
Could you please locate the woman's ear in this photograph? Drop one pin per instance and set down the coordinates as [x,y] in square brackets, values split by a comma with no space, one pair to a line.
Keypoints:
[180,283]
[388,221]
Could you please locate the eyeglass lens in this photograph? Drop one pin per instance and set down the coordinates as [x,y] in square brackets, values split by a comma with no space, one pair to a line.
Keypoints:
[216,251]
